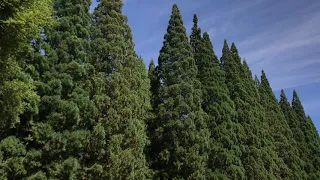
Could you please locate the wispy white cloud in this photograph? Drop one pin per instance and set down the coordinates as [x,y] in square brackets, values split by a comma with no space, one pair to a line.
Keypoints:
[221,21]
[277,41]
[281,37]
[293,81]
[283,52]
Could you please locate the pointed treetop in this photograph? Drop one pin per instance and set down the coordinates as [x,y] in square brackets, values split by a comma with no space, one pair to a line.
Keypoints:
[196,32]
[283,97]
[152,61]
[233,48]
[225,47]
[296,104]
[175,20]
[296,100]
[151,65]
[175,8]
[195,39]
[257,81]
[245,64]
[246,70]
[176,48]
[195,20]
[256,77]
[283,94]
[264,80]
[225,43]
[208,48]
[295,95]
[226,56]
[206,36]
[263,74]
[235,53]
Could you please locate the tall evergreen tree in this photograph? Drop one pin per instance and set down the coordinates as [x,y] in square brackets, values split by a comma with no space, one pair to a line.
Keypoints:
[152,123]
[122,121]
[281,132]
[195,38]
[293,122]
[310,144]
[226,133]
[63,73]
[253,85]
[181,134]
[258,152]
[59,135]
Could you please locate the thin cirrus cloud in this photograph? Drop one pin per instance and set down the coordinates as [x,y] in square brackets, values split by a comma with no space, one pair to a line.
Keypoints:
[280,37]
[274,49]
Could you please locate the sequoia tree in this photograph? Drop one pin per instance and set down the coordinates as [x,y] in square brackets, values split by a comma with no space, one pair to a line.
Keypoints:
[181,137]
[279,128]
[309,142]
[125,96]
[226,132]
[258,152]
[58,136]
[294,124]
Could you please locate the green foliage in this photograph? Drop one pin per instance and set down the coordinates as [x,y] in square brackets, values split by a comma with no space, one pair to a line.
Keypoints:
[195,39]
[12,152]
[181,137]
[283,140]
[20,21]
[154,83]
[127,87]
[76,102]
[58,134]
[224,153]
[309,142]
[293,122]
[258,152]
[257,81]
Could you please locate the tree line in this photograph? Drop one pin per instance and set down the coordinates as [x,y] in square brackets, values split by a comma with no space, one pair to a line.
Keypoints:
[77,102]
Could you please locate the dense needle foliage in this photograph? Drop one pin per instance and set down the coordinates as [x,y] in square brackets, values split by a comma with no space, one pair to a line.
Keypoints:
[77,102]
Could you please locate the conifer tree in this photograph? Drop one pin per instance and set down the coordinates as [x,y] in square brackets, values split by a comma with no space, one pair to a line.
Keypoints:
[195,38]
[122,121]
[224,155]
[257,81]
[181,137]
[59,134]
[310,145]
[154,83]
[258,153]
[253,84]
[293,122]
[280,130]
[245,70]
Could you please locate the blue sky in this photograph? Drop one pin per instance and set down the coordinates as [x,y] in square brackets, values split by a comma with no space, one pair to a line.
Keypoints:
[281,37]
